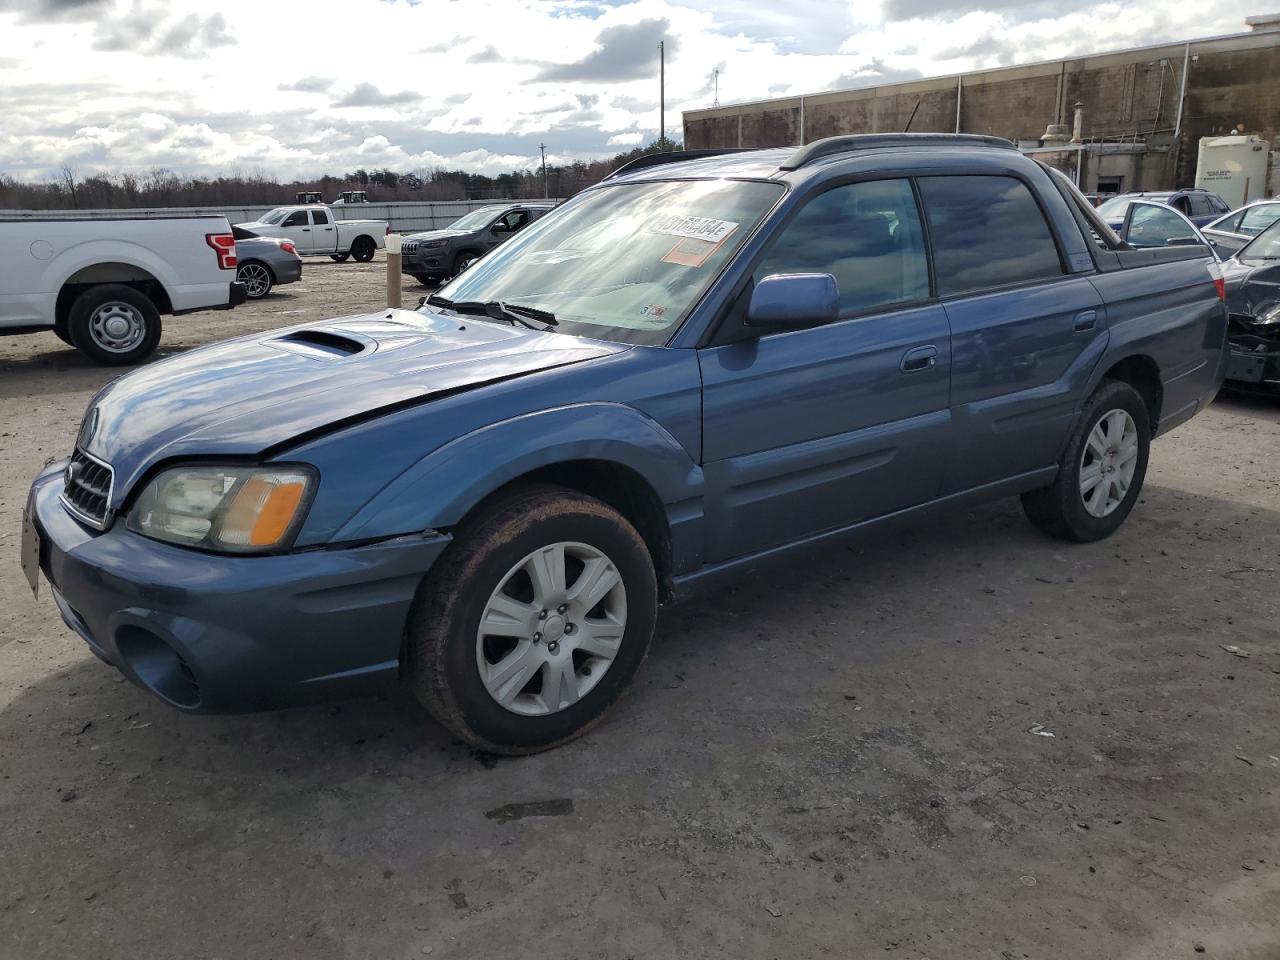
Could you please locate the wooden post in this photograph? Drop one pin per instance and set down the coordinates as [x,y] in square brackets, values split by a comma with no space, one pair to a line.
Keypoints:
[393,270]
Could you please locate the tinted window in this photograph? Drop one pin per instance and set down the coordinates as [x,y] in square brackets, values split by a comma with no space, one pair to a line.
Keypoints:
[319,216]
[866,235]
[1257,219]
[1200,205]
[296,219]
[1156,226]
[986,232]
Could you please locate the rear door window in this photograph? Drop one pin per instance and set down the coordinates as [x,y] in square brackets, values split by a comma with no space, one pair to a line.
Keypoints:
[1257,219]
[866,235]
[319,217]
[1200,205]
[986,232]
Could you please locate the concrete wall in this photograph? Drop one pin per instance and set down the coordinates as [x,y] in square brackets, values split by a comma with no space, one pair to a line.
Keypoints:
[405,217]
[1130,95]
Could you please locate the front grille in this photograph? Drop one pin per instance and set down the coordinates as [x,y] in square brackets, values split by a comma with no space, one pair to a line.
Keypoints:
[87,489]
[409,246]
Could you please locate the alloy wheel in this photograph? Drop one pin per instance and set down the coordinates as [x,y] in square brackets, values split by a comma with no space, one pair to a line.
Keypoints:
[551,629]
[1107,462]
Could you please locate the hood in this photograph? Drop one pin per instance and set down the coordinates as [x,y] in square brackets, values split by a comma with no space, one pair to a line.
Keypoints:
[250,395]
[443,234]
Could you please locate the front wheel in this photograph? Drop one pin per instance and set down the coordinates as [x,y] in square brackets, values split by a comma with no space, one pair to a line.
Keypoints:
[533,622]
[114,324]
[363,249]
[463,261]
[1101,472]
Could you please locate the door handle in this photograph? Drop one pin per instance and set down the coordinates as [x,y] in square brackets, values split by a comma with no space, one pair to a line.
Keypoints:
[919,358]
[328,229]
[1085,320]
[306,229]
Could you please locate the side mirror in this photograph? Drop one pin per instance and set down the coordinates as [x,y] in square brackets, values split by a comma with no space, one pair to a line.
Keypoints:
[794,301]
[500,227]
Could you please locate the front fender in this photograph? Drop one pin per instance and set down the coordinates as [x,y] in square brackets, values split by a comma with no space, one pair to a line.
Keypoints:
[438,490]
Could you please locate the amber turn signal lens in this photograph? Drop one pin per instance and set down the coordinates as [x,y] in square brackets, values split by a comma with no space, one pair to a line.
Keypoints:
[263,510]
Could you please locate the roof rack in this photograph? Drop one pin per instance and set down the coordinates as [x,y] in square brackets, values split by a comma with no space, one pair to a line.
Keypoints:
[874,141]
[672,156]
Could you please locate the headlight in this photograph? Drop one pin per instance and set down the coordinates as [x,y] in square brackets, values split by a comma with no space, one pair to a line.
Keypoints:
[434,244]
[228,509]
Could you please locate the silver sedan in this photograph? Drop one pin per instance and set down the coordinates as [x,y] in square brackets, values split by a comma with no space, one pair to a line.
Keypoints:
[263,262]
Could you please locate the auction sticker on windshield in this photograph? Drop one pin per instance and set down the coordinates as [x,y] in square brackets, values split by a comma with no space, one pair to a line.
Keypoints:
[708,229]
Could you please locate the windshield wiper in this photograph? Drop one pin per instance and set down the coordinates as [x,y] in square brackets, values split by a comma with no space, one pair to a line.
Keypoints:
[514,313]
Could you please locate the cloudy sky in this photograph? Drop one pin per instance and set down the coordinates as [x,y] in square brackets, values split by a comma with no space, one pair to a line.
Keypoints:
[290,87]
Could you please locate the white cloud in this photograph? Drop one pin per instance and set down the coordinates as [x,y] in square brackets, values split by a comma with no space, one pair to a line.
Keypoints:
[133,84]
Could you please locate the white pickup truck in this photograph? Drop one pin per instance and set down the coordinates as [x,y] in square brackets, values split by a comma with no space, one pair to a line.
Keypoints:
[314,230]
[102,284]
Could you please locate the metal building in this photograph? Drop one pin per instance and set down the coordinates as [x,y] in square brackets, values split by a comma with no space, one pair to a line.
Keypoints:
[1127,120]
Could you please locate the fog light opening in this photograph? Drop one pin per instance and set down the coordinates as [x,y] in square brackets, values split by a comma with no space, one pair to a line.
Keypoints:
[160,667]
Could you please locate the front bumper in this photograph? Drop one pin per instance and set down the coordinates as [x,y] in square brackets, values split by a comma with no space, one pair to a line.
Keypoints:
[223,634]
[432,262]
[1254,362]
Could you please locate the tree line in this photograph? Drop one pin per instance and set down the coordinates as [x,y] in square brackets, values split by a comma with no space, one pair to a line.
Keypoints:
[165,188]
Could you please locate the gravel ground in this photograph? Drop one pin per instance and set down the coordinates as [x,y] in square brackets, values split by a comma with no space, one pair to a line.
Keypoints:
[963,740]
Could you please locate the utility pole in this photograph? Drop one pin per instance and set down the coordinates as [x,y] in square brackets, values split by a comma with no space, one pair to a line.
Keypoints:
[545,191]
[715,75]
[662,94]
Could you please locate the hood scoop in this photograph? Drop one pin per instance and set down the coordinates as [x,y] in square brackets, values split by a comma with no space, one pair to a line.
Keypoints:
[322,344]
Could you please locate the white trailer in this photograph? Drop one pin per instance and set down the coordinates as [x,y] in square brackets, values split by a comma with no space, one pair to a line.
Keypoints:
[1235,168]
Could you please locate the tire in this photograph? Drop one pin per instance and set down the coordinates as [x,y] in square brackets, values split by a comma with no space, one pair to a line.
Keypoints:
[1095,489]
[256,277]
[339,257]
[114,325]
[363,249]
[463,261]
[61,332]
[422,278]
[489,561]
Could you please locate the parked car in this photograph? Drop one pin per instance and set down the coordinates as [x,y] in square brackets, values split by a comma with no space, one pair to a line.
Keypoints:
[1253,300]
[102,285]
[1228,234]
[1198,206]
[315,230]
[439,254]
[263,262]
[702,363]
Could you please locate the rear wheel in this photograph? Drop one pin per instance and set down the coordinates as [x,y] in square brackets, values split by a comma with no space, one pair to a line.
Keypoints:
[363,249]
[114,324]
[61,332]
[1101,472]
[339,257]
[256,277]
[533,622]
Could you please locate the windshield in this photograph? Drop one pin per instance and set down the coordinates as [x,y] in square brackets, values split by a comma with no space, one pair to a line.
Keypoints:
[274,216]
[1265,246]
[476,218]
[625,262]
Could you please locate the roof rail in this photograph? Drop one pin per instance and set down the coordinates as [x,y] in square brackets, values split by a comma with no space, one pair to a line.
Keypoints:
[672,156]
[873,141]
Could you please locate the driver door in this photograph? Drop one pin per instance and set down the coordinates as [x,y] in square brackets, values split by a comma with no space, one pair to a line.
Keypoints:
[297,227]
[811,430]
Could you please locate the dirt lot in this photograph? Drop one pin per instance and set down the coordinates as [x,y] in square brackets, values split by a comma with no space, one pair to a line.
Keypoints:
[961,741]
